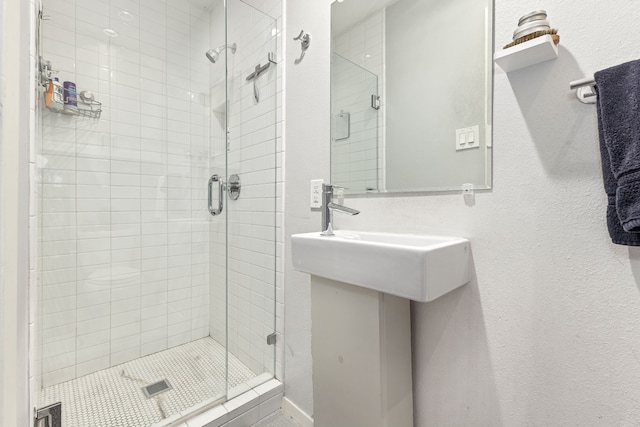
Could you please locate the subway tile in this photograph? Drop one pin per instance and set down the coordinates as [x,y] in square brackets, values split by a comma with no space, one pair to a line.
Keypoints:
[59,347]
[147,348]
[125,305]
[130,330]
[57,333]
[125,355]
[59,376]
[124,319]
[93,312]
[57,290]
[125,217]
[54,363]
[157,287]
[126,293]
[93,365]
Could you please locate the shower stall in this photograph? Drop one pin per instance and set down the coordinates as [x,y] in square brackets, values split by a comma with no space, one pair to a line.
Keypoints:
[157,206]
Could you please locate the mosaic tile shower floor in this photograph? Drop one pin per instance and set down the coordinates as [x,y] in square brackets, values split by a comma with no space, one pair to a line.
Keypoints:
[113,397]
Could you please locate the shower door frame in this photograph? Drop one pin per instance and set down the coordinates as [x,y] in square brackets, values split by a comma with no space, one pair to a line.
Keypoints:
[17,281]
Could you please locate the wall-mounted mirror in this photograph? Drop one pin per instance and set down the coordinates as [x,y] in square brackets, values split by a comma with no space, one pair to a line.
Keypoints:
[411,85]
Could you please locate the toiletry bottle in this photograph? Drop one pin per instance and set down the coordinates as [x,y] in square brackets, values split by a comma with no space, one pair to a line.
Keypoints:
[57,96]
[49,94]
[70,98]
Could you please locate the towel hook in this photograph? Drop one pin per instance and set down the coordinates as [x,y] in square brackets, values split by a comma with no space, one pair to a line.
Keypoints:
[305,41]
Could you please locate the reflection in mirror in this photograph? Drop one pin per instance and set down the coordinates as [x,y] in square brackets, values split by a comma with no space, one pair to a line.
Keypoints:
[411,95]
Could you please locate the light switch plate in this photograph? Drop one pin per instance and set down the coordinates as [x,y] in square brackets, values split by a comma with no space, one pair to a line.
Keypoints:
[316,193]
[467,138]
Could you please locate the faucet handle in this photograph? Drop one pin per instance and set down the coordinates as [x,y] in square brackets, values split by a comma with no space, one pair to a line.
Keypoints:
[331,187]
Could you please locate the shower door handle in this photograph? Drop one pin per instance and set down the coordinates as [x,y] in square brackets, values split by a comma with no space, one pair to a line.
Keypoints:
[216,178]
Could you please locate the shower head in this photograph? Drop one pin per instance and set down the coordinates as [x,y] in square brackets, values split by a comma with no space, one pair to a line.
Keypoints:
[214,54]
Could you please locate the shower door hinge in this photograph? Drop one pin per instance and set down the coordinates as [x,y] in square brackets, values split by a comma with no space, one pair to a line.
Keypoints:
[48,416]
[375,102]
[42,16]
[271,339]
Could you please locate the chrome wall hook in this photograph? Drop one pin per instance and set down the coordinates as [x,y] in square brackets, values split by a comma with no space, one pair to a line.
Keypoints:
[305,41]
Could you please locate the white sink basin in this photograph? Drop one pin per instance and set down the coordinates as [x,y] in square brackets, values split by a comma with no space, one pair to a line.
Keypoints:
[417,267]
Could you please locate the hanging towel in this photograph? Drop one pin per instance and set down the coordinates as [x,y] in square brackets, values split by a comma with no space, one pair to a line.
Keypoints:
[618,91]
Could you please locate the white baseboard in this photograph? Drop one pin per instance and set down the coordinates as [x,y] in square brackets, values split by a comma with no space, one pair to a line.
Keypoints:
[296,413]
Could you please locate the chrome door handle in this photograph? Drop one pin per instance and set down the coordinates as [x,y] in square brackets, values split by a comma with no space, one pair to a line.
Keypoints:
[216,178]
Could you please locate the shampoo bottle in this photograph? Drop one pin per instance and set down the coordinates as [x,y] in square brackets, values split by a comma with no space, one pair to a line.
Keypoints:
[49,94]
[57,96]
[70,98]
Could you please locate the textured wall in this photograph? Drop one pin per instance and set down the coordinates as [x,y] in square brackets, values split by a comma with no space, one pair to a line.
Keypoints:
[547,332]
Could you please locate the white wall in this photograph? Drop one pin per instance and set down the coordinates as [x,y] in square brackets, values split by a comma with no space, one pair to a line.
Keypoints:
[307,157]
[547,332]
[16,321]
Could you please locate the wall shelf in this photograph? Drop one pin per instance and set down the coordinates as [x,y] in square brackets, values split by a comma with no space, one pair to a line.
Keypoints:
[525,54]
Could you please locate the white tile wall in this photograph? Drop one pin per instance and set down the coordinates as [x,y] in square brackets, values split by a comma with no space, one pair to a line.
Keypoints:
[357,73]
[124,254]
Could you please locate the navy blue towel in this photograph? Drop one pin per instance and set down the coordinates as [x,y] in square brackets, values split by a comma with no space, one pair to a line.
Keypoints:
[618,91]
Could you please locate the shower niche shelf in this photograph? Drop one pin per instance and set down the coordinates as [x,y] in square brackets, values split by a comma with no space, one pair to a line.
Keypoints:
[525,54]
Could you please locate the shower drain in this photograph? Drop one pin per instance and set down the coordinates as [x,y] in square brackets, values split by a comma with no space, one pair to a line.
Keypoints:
[156,388]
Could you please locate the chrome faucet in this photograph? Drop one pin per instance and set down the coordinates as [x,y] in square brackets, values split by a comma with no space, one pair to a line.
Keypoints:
[328,207]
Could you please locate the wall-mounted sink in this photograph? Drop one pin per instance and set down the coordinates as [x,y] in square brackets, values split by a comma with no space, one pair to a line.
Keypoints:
[418,267]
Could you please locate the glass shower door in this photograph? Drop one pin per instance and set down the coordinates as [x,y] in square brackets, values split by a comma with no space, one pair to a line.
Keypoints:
[251,155]
[148,305]
[126,311]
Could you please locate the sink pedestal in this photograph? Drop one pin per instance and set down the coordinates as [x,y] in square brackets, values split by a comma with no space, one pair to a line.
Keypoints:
[361,348]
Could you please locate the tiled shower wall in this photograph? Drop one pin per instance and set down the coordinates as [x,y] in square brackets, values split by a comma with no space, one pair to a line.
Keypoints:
[253,148]
[357,161]
[124,236]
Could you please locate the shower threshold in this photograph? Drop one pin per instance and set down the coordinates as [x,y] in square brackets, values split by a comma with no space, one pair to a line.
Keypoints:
[113,397]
